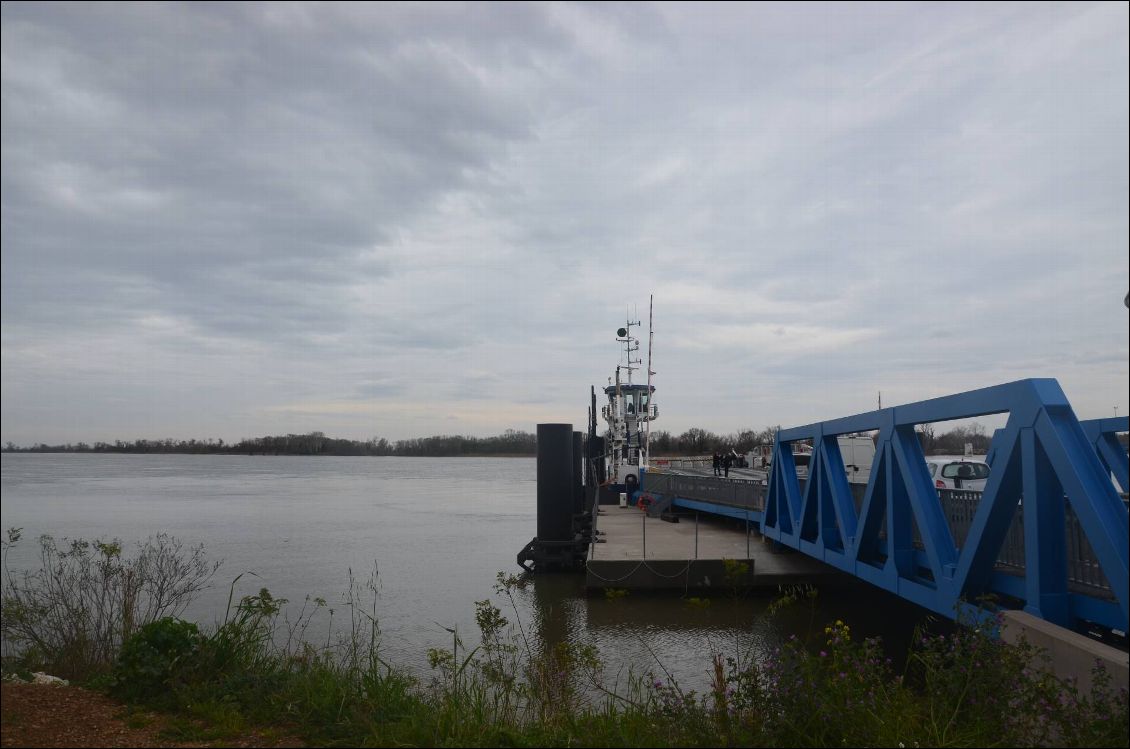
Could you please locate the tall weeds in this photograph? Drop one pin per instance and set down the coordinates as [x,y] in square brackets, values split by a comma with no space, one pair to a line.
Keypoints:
[822,688]
[72,614]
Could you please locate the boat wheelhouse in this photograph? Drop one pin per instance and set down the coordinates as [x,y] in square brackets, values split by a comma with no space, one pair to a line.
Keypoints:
[628,414]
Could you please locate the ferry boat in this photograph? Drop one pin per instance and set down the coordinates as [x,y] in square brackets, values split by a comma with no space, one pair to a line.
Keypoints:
[576,475]
[628,415]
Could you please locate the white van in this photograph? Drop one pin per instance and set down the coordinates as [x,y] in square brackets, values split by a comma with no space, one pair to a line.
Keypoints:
[858,454]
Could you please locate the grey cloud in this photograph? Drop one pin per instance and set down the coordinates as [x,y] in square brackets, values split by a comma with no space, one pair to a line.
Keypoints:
[382,200]
[219,153]
[378,389]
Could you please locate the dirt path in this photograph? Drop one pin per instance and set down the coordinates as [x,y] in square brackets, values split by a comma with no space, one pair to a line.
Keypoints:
[35,715]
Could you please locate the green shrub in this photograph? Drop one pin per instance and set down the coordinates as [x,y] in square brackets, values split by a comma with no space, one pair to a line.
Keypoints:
[153,658]
[71,616]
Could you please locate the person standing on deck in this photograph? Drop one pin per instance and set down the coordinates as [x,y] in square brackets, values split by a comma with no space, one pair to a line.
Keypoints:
[717,464]
[727,459]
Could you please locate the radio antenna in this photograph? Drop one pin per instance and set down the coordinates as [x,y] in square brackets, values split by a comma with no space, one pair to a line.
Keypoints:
[650,341]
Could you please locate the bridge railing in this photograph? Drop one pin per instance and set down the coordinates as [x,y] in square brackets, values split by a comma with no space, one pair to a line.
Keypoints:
[899,536]
[1084,574]
[742,493]
[1083,570]
[683,462]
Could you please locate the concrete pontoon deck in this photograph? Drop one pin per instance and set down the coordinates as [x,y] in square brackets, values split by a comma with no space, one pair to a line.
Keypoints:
[648,553]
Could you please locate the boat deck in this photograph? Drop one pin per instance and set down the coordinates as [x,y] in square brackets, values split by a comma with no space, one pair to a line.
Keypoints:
[645,553]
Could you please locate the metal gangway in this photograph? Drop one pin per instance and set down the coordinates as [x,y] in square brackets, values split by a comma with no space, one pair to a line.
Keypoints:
[1049,533]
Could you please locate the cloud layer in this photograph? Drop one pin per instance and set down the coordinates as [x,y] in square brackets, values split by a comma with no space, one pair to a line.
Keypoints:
[228,220]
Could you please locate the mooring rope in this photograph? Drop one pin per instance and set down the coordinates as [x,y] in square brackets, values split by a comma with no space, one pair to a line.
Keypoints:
[642,563]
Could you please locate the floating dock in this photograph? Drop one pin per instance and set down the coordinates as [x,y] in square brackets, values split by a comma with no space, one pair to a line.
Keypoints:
[640,552]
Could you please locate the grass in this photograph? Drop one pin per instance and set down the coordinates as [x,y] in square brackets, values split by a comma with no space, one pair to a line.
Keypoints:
[259,671]
[965,688]
[134,717]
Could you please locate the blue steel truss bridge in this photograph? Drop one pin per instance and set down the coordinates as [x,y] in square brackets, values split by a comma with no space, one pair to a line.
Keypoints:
[1048,534]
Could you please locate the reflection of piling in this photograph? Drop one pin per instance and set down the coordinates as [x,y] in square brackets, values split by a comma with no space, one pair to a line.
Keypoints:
[551,612]
[562,539]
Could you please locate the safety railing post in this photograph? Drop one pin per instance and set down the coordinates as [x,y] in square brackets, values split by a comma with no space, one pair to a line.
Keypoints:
[643,522]
[747,535]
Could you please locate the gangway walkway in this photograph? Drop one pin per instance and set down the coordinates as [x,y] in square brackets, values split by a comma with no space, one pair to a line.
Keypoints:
[1049,532]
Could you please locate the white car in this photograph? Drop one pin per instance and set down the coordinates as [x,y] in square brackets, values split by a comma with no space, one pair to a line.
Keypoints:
[958,472]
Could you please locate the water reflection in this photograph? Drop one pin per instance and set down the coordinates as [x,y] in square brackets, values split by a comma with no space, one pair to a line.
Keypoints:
[672,636]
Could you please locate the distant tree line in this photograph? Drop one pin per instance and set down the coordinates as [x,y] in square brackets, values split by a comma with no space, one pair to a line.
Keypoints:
[694,441]
[511,442]
[954,441]
[702,442]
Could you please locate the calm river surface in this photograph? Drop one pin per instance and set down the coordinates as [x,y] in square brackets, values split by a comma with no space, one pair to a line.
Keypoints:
[438,530]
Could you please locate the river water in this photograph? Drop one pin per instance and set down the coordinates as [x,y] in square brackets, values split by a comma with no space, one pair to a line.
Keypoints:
[437,530]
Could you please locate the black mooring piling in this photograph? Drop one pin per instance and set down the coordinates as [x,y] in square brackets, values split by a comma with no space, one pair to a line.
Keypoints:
[555,482]
[561,543]
[578,485]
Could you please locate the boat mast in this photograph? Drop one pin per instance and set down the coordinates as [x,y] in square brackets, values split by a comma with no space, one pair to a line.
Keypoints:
[646,457]
[631,345]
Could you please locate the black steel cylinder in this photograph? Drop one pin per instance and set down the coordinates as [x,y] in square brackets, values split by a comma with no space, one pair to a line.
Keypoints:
[555,482]
[596,453]
[578,483]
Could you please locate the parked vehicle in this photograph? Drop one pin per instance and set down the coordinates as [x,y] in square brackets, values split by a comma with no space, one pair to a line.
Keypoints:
[958,472]
[857,451]
[761,456]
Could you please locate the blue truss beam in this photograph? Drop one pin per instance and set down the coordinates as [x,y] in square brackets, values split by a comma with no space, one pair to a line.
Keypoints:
[1042,455]
[1103,434]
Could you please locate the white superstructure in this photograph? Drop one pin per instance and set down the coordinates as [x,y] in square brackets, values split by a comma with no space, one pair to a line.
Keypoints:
[628,413]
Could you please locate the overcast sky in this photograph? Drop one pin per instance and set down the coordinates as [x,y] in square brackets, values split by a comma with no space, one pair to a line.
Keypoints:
[402,220]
